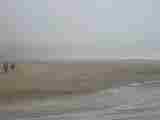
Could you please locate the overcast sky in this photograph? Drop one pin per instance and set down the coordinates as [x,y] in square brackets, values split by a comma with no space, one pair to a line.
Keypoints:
[80,28]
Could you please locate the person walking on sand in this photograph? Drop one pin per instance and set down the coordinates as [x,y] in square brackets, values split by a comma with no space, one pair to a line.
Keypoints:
[1,68]
[12,66]
[5,67]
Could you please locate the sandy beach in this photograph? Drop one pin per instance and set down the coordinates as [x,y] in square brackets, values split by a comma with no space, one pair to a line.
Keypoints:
[31,80]
[75,77]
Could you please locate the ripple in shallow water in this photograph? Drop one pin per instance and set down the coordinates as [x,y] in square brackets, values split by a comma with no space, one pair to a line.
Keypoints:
[132,101]
[135,84]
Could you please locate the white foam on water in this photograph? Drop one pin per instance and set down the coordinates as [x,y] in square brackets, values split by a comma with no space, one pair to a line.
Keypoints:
[124,107]
[135,84]
[111,91]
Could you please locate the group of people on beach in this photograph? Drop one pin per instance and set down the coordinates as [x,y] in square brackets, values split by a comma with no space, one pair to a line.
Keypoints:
[5,67]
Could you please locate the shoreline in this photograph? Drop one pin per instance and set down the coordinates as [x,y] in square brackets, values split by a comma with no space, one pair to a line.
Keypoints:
[73,78]
[38,82]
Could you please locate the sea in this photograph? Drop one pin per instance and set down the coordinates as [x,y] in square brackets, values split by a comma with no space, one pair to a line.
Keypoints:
[124,100]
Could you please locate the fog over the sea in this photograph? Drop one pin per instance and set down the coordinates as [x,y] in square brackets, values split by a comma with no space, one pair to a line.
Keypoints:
[81,29]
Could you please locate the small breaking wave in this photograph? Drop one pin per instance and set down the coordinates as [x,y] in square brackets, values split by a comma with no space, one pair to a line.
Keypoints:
[135,84]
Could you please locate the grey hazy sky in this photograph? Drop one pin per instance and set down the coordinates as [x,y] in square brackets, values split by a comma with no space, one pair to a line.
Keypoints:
[80,28]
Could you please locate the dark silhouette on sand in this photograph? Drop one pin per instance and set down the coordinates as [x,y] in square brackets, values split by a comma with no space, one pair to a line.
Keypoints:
[5,67]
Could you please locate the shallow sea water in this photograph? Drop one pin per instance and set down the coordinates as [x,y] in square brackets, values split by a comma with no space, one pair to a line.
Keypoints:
[125,100]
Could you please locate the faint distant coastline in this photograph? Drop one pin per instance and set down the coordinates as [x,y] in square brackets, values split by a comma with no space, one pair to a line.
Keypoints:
[46,60]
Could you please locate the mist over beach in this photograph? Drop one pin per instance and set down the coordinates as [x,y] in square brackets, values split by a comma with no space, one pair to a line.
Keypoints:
[80,59]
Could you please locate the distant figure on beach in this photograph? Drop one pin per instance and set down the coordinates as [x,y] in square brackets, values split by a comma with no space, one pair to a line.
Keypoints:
[12,67]
[5,67]
[1,68]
